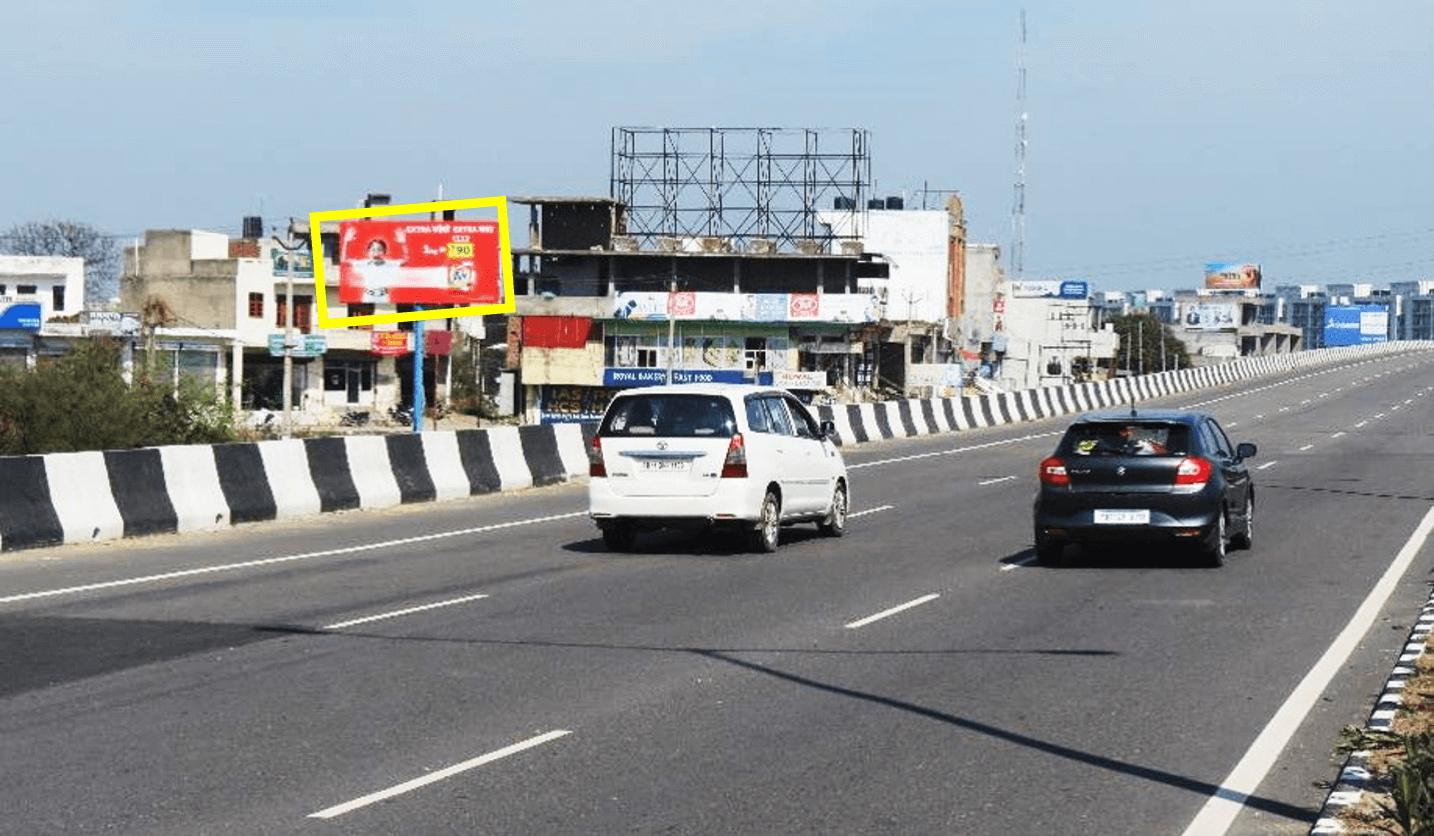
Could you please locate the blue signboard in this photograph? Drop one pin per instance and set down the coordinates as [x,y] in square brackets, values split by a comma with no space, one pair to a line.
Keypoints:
[1075,290]
[1355,324]
[23,317]
[657,377]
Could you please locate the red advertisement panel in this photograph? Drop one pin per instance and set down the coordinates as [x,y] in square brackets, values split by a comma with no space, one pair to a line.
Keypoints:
[420,262]
[388,343]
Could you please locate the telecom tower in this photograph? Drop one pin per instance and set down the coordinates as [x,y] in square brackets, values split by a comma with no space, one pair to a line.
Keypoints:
[1018,208]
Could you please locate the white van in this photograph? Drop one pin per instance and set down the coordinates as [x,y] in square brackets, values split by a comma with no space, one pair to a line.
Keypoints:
[727,455]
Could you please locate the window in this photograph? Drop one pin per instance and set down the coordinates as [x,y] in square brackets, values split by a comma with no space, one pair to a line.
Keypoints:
[26,289]
[256,305]
[303,311]
[778,419]
[57,295]
[364,309]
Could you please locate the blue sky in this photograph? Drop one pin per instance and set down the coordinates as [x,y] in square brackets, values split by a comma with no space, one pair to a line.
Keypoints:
[1162,135]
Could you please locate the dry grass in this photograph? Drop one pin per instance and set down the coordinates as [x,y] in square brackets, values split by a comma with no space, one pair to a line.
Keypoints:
[1414,716]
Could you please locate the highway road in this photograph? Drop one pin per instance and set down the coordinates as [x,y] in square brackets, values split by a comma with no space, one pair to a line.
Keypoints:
[485,666]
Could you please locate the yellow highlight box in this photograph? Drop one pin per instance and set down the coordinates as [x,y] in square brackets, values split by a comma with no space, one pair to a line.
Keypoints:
[505,257]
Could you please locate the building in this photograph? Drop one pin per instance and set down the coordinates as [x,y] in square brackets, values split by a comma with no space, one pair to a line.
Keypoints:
[597,310]
[222,309]
[41,298]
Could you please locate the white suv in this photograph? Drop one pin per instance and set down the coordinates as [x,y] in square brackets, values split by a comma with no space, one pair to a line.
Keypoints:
[700,454]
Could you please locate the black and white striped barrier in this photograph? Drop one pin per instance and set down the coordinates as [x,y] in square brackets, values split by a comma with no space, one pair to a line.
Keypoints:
[83,497]
[864,422]
[89,496]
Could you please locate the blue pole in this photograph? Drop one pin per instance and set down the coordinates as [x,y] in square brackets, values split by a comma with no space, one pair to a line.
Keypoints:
[417,373]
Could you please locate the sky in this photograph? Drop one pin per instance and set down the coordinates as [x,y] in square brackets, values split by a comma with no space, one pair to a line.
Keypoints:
[1161,134]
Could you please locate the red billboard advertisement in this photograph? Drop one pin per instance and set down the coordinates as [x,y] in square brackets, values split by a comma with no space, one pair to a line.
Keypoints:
[420,262]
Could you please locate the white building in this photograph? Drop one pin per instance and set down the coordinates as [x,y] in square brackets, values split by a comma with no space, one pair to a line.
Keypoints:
[35,291]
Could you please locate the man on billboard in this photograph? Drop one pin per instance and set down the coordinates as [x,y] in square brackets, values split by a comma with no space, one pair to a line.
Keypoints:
[420,262]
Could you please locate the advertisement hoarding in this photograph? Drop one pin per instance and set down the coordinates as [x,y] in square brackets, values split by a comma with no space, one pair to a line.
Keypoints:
[24,316]
[1355,324]
[420,262]
[1210,316]
[1232,275]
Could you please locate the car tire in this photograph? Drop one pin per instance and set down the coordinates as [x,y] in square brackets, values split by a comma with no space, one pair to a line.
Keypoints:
[1246,539]
[1215,552]
[835,523]
[764,537]
[620,537]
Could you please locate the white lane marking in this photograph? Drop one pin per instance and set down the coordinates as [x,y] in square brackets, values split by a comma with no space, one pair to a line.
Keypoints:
[1220,811]
[870,511]
[432,777]
[1338,434]
[397,613]
[893,611]
[272,561]
[955,450]
[1360,424]
[996,481]
[1268,464]
[1306,447]
[1379,415]
[1018,564]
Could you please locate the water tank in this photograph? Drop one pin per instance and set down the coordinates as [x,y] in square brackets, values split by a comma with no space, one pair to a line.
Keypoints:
[253,227]
[843,202]
[895,203]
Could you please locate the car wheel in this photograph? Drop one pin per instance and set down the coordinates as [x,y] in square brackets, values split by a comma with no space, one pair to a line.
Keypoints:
[1215,552]
[769,525]
[1246,538]
[620,537]
[835,523]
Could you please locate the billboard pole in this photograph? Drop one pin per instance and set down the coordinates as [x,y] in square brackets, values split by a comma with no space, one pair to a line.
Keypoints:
[418,349]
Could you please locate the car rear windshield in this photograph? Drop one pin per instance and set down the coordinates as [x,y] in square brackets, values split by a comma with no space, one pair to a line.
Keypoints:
[1127,439]
[680,416]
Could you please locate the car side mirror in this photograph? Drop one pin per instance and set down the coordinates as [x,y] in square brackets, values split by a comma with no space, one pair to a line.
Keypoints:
[1245,450]
[828,428]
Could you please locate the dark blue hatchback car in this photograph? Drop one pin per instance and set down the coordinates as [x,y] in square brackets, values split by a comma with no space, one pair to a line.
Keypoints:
[1166,477]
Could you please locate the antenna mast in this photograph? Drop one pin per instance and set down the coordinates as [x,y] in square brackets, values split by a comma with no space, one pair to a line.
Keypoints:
[1018,208]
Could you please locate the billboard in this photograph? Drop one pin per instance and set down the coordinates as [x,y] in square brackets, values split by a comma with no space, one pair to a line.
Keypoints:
[24,316]
[654,306]
[1210,316]
[1355,324]
[1232,275]
[420,262]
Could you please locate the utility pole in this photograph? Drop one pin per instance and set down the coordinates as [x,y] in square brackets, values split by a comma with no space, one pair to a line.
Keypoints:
[287,425]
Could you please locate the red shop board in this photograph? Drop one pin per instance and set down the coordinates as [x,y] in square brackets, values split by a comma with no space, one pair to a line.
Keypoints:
[420,262]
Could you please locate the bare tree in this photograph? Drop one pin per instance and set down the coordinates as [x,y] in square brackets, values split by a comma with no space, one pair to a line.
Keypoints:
[74,239]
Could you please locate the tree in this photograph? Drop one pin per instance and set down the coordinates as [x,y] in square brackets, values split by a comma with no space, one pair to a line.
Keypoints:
[76,240]
[1147,345]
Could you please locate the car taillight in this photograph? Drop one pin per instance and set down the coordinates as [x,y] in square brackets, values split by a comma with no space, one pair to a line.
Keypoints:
[1192,471]
[595,462]
[735,465]
[1053,472]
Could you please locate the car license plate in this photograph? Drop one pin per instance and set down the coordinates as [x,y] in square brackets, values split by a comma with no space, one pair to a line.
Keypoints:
[664,465]
[1123,516]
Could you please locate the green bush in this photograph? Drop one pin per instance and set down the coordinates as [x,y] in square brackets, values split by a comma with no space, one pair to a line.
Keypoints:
[82,402]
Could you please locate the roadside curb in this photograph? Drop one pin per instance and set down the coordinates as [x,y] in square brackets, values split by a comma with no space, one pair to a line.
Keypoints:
[1354,777]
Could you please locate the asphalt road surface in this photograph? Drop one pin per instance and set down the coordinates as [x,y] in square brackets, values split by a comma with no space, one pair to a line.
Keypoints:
[487,667]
